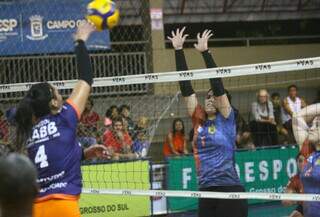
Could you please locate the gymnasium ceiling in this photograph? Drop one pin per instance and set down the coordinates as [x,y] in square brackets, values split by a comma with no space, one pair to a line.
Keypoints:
[177,11]
[194,11]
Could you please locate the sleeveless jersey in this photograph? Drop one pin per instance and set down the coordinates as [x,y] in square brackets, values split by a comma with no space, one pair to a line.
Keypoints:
[56,153]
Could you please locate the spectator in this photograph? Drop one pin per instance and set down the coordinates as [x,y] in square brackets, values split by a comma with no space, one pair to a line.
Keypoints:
[143,123]
[118,140]
[263,125]
[18,187]
[141,145]
[175,143]
[6,146]
[10,115]
[125,112]
[291,104]
[283,133]
[88,125]
[111,113]
[295,186]
[244,139]
[4,129]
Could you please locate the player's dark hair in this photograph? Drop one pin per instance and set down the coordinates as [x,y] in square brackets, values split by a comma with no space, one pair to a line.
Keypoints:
[292,86]
[174,131]
[34,105]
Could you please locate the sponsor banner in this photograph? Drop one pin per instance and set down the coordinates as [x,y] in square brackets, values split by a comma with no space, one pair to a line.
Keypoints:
[44,27]
[182,176]
[261,170]
[125,175]
[266,170]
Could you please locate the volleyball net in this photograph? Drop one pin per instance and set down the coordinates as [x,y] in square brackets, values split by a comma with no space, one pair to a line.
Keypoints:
[124,186]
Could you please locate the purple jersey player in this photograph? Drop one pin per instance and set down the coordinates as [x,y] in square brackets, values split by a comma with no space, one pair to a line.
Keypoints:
[46,127]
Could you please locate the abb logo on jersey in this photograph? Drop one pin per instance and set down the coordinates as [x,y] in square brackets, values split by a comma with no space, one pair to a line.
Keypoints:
[48,129]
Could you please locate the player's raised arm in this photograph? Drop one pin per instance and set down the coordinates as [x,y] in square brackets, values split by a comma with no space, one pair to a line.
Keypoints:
[177,38]
[82,89]
[222,102]
[301,120]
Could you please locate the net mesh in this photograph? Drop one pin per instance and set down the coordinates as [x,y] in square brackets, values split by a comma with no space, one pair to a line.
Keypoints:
[263,170]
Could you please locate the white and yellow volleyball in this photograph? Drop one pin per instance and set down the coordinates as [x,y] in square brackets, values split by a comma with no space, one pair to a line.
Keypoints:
[103,14]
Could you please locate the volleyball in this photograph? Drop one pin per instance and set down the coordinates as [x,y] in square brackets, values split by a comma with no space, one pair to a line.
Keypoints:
[103,14]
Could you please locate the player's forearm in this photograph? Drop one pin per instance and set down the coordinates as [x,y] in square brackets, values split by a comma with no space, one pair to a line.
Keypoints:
[181,65]
[208,59]
[83,62]
[309,113]
[216,83]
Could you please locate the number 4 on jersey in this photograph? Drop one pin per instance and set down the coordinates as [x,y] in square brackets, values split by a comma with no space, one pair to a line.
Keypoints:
[41,157]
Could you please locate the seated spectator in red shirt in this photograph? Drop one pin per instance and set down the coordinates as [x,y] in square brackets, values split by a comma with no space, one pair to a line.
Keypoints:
[4,129]
[88,126]
[118,140]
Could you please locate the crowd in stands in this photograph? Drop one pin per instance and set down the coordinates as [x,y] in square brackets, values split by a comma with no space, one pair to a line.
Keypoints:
[124,138]
[269,124]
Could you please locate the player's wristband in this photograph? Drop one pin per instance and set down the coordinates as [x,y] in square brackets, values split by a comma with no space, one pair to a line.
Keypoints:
[83,62]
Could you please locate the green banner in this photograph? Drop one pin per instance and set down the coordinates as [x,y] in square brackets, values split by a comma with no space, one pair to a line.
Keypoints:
[266,170]
[261,170]
[125,175]
[182,176]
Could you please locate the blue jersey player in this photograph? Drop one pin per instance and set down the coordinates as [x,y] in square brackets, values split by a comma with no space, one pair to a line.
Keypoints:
[46,127]
[306,128]
[214,135]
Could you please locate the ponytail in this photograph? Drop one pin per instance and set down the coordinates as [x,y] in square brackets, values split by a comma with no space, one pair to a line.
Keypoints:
[23,120]
[34,105]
